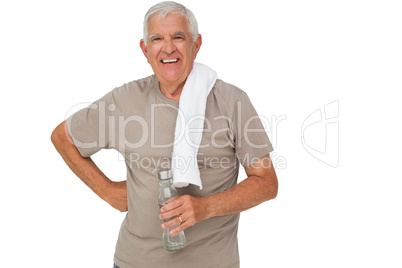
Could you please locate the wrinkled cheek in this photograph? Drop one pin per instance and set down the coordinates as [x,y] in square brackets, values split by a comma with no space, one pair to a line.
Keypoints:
[153,53]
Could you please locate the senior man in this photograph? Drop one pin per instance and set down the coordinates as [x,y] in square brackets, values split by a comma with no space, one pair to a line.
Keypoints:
[139,119]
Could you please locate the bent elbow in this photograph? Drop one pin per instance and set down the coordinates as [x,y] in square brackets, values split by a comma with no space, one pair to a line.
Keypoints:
[58,135]
[276,191]
[54,137]
[272,188]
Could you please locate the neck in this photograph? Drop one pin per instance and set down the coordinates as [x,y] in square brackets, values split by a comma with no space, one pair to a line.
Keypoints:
[171,91]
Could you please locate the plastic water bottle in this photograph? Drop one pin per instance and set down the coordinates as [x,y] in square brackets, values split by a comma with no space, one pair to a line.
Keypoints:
[167,193]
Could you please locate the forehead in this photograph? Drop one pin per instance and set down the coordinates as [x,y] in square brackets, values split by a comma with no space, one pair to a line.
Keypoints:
[172,22]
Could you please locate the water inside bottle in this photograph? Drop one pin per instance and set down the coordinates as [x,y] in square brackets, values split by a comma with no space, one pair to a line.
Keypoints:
[173,243]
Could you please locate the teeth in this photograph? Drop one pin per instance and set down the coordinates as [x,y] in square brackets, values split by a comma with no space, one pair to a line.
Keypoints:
[170,60]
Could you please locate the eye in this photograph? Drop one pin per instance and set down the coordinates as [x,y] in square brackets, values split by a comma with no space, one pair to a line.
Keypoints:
[178,37]
[156,39]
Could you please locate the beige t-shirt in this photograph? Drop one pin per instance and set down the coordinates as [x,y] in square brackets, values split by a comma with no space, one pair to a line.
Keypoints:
[139,121]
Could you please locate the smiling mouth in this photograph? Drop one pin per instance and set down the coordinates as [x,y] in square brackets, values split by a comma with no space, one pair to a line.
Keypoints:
[169,61]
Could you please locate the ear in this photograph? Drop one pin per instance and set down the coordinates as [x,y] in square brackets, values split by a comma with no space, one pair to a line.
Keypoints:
[144,49]
[198,44]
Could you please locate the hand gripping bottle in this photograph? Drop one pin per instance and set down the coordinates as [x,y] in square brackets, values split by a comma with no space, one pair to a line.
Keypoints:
[167,192]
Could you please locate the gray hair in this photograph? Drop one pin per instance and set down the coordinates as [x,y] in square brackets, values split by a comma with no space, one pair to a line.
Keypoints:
[164,8]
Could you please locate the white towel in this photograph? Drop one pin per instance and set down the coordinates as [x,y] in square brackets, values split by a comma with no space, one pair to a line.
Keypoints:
[189,125]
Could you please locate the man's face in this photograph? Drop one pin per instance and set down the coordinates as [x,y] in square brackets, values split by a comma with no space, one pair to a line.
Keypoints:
[171,50]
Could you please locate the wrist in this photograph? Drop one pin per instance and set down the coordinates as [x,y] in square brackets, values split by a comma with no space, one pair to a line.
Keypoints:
[209,207]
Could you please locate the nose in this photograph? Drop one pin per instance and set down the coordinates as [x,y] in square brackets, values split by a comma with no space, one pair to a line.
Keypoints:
[169,46]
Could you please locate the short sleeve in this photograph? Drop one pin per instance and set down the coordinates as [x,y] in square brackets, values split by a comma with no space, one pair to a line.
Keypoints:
[89,127]
[251,140]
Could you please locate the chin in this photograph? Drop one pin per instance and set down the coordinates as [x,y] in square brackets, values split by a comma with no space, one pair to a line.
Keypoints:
[172,77]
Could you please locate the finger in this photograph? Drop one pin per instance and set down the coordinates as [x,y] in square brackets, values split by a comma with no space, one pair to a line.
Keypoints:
[179,228]
[171,223]
[171,214]
[177,202]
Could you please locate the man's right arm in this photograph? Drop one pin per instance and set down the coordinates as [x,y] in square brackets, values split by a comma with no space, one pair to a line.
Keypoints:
[114,193]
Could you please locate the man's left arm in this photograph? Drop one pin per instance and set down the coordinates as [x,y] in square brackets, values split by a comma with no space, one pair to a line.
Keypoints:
[261,185]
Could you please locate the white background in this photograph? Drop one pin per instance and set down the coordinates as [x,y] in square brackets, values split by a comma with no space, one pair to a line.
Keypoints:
[291,57]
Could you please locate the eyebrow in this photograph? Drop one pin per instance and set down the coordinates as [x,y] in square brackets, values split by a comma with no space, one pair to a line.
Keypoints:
[159,35]
[153,36]
[180,33]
